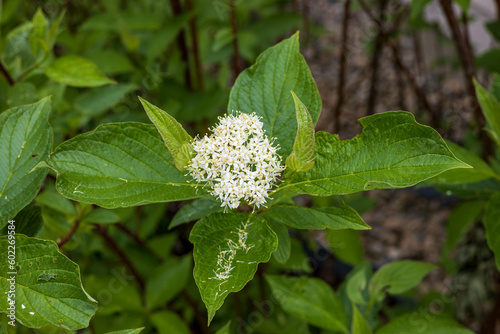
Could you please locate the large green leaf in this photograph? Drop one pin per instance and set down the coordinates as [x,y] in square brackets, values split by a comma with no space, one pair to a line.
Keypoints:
[48,289]
[264,88]
[491,223]
[491,110]
[336,218]
[25,140]
[77,72]
[227,249]
[394,151]
[310,299]
[422,322]
[118,165]
[359,324]
[398,277]
[167,322]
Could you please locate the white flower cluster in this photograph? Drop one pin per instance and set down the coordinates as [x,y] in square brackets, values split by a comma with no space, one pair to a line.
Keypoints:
[237,161]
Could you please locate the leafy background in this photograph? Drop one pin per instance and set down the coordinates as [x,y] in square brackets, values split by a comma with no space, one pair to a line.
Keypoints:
[95,57]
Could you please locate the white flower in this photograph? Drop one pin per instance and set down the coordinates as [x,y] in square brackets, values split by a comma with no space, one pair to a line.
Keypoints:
[237,161]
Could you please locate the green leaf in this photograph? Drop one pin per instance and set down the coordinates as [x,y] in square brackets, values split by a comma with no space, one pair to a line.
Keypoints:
[227,249]
[422,322]
[302,157]
[77,72]
[398,277]
[50,198]
[357,284]
[494,28]
[336,218]
[101,216]
[28,221]
[480,170]
[417,7]
[282,253]
[194,211]
[464,4]
[225,329]
[171,131]
[359,324]
[47,283]
[119,165]
[459,222]
[128,331]
[393,151]
[491,110]
[25,140]
[167,281]
[346,245]
[167,322]
[495,85]
[309,299]
[264,89]
[491,223]
[489,60]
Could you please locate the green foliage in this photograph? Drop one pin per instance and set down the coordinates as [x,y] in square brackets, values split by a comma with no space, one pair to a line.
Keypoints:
[227,249]
[310,299]
[77,72]
[26,140]
[48,289]
[491,110]
[119,165]
[413,323]
[398,277]
[492,224]
[336,218]
[392,152]
[97,202]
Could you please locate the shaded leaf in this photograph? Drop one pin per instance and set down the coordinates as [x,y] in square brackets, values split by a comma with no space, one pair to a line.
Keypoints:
[421,322]
[25,140]
[309,299]
[398,277]
[491,110]
[194,211]
[28,221]
[336,218]
[491,223]
[77,72]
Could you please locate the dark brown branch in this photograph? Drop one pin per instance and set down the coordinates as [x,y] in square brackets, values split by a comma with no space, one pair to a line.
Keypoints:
[343,60]
[68,236]
[114,246]
[465,55]
[6,74]
[399,62]
[137,240]
[200,318]
[181,42]
[196,49]
[379,44]
[234,30]
[497,2]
